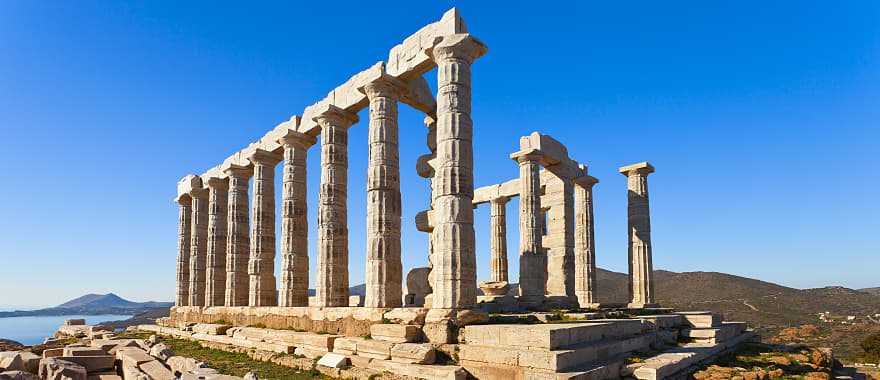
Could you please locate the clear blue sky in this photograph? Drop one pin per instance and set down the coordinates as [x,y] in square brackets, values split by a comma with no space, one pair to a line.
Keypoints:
[761,118]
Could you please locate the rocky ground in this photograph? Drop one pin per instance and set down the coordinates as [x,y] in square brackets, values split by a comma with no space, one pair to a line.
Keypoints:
[759,361]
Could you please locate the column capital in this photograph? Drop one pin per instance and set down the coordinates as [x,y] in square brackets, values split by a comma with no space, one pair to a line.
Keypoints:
[296,139]
[500,200]
[265,157]
[333,115]
[239,171]
[458,46]
[218,183]
[200,193]
[641,168]
[533,155]
[384,85]
[586,181]
[183,199]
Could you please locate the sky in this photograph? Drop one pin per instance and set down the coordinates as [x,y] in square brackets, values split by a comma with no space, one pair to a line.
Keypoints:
[761,119]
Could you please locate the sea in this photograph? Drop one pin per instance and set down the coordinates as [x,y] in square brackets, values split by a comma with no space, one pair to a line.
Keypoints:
[33,330]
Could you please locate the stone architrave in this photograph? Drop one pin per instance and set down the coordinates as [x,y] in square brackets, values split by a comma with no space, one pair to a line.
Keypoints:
[294,289]
[237,236]
[384,271]
[261,266]
[585,243]
[184,234]
[215,274]
[198,247]
[498,241]
[532,256]
[454,262]
[639,221]
[331,285]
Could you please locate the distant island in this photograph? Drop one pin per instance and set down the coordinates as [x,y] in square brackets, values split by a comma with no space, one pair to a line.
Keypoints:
[92,304]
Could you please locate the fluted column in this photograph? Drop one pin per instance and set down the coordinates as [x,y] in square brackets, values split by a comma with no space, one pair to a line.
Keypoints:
[294,289]
[639,221]
[532,256]
[498,242]
[198,247]
[261,267]
[454,268]
[238,236]
[184,233]
[331,285]
[584,241]
[215,275]
[384,271]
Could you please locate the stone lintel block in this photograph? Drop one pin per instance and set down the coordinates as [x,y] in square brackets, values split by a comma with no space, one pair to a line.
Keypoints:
[586,181]
[92,363]
[333,360]
[641,167]
[396,333]
[413,353]
[375,349]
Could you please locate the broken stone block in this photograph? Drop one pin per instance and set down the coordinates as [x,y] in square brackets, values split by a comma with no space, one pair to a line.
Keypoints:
[107,375]
[406,316]
[309,352]
[375,349]
[133,357]
[413,353]
[161,351]
[11,361]
[346,346]
[92,363]
[83,351]
[156,371]
[210,328]
[333,360]
[395,333]
[57,369]
[180,364]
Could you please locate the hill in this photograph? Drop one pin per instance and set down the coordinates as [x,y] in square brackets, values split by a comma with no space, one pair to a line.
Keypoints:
[92,304]
[875,291]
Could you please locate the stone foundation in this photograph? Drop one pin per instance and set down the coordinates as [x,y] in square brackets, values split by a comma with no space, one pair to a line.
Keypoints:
[348,321]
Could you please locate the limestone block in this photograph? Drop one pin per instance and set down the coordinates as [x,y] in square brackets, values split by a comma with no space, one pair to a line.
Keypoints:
[161,351]
[406,315]
[12,362]
[360,361]
[413,353]
[133,373]
[396,333]
[420,371]
[104,376]
[355,301]
[180,364]
[17,375]
[309,352]
[701,319]
[210,328]
[53,352]
[92,363]
[83,351]
[439,333]
[132,356]
[156,371]
[346,345]
[333,361]
[322,341]
[375,349]
[495,288]
[57,369]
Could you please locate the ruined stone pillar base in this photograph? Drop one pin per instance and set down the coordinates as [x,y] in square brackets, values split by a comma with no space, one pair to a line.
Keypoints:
[443,325]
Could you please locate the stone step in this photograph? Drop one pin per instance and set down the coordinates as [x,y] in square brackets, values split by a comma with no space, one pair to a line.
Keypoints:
[724,332]
[671,362]
[552,336]
[555,360]
[701,319]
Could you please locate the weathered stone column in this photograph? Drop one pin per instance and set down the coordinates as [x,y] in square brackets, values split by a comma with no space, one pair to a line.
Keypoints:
[640,263]
[198,247]
[294,222]
[184,233]
[498,242]
[215,275]
[238,236]
[532,256]
[454,268]
[261,267]
[384,272]
[585,243]
[331,285]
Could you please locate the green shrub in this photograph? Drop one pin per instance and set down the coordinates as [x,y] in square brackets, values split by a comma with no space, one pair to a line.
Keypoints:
[871,346]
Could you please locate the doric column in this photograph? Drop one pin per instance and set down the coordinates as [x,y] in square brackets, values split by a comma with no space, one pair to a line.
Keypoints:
[384,272]
[261,267]
[184,231]
[215,275]
[640,263]
[294,222]
[198,247]
[238,236]
[454,266]
[498,242]
[532,256]
[585,243]
[331,285]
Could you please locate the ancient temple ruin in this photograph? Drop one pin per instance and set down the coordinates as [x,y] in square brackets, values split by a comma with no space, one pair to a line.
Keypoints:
[227,242]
